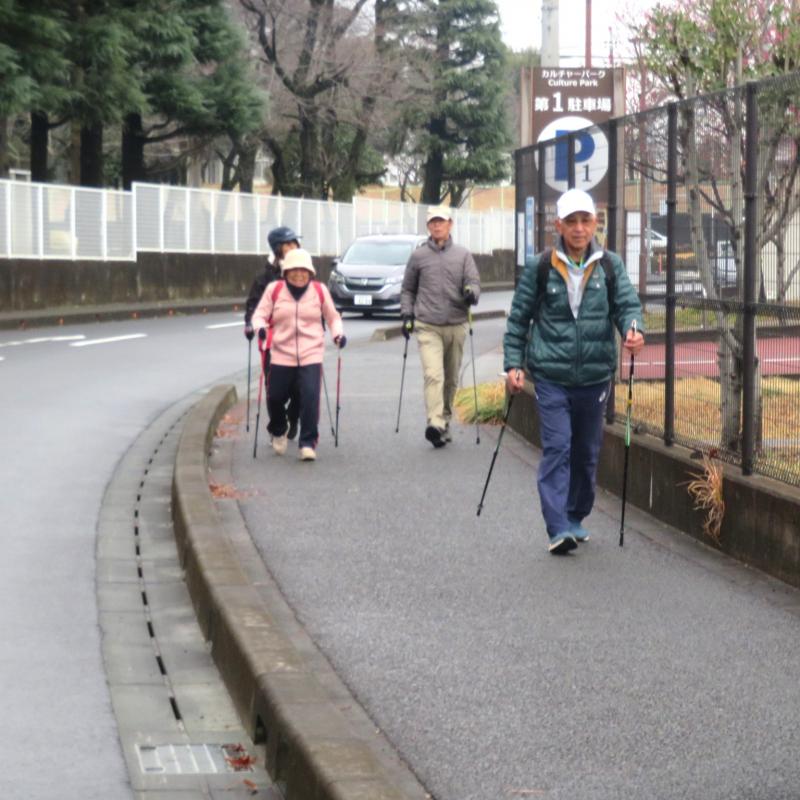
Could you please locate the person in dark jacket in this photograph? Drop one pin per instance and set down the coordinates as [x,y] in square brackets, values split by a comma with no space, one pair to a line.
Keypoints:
[566,341]
[441,281]
[281,240]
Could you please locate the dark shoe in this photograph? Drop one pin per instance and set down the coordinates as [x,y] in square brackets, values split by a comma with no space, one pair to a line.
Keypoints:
[292,429]
[562,543]
[435,436]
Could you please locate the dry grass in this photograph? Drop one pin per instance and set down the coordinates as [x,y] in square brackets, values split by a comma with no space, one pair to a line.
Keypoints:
[706,489]
[697,414]
[491,403]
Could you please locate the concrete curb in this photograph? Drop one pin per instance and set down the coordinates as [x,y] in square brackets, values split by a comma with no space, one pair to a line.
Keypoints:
[393,332]
[280,690]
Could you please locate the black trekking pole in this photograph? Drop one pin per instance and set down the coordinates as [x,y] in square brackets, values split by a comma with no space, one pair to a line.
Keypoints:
[261,381]
[338,396]
[474,382]
[328,402]
[249,358]
[628,411]
[402,381]
[496,451]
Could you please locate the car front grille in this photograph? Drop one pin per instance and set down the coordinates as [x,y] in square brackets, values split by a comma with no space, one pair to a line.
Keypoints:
[364,284]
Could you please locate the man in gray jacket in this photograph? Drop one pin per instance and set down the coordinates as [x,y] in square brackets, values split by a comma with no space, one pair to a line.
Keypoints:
[441,281]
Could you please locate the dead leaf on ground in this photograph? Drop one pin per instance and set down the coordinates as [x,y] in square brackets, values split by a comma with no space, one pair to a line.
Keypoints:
[225,491]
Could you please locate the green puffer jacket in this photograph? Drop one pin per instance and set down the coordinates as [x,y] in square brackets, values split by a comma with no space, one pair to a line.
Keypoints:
[563,349]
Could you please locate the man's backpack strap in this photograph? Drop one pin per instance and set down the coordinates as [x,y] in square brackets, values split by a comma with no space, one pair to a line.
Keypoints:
[543,271]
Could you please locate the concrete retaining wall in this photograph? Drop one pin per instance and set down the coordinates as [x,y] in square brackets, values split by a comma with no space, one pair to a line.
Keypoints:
[29,285]
[760,526]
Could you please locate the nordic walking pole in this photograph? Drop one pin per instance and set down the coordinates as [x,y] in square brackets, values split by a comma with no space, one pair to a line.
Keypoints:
[328,402]
[249,356]
[261,381]
[496,451]
[474,382]
[628,410]
[402,381]
[338,395]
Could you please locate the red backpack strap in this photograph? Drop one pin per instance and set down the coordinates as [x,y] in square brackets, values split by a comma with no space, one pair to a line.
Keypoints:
[318,287]
[275,292]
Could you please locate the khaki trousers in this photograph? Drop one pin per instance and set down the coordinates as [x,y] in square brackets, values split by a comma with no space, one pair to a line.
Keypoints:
[440,349]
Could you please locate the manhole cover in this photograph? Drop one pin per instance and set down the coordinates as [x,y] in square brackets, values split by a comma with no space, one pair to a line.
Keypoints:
[193,759]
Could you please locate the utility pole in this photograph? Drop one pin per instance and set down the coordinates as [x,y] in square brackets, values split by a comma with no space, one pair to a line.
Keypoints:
[550,50]
[588,34]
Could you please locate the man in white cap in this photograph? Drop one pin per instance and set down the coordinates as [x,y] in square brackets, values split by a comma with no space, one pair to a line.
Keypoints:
[441,281]
[573,295]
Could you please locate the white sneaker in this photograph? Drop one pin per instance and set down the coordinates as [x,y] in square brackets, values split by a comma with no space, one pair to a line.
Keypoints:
[308,454]
[279,444]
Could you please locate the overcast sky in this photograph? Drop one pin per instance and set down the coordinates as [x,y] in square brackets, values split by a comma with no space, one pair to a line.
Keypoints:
[521,22]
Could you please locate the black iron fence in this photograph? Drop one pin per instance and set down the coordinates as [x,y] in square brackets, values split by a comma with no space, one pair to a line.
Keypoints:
[703,204]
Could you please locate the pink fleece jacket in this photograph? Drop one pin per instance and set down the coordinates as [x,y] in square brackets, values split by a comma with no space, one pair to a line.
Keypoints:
[298,338]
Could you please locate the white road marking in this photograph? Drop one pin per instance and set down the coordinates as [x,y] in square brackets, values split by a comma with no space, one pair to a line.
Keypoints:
[41,339]
[109,340]
[224,325]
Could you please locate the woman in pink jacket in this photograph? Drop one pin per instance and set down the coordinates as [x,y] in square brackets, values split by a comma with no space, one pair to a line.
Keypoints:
[291,311]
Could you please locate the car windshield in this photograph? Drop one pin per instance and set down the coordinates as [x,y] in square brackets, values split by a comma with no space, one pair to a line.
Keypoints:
[389,254]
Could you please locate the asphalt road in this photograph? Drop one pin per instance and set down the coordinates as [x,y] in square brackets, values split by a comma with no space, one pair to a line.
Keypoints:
[660,670]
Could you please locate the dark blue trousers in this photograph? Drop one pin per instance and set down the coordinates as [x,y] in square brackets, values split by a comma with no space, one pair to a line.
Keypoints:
[571,422]
[303,383]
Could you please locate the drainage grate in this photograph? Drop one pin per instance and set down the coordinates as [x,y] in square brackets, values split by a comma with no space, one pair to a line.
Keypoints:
[193,759]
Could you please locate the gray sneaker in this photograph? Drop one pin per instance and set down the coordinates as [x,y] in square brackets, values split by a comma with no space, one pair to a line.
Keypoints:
[447,436]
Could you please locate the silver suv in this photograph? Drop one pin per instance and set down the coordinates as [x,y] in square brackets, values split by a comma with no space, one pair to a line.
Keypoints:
[368,277]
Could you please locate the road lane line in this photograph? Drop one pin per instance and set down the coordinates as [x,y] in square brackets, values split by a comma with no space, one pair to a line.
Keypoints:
[224,325]
[109,340]
[40,339]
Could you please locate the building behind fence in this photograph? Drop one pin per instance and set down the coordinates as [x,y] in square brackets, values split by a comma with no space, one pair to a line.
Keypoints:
[704,207]
[46,221]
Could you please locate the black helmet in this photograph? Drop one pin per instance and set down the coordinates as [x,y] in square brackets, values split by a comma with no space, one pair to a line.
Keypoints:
[282,235]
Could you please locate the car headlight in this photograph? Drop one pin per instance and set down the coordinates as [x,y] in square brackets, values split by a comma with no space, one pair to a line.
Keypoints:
[394,280]
[337,277]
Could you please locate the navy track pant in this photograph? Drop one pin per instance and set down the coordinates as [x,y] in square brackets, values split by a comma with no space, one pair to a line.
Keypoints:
[571,424]
[304,382]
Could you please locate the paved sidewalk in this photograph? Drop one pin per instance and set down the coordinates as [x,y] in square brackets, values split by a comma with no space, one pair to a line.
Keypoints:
[661,670]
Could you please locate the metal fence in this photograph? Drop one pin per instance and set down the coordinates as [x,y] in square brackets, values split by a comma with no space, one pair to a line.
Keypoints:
[46,221]
[701,198]
[40,220]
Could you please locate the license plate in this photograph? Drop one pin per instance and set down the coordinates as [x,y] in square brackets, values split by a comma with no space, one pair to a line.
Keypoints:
[362,299]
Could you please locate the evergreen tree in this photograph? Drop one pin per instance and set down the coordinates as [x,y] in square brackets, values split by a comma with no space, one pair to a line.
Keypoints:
[195,79]
[32,67]
[461,135]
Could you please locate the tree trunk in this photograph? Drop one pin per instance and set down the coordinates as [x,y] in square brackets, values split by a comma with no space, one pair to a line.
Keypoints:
[246,168]
[729,349]
[433,168]
[91,158]
[4,124]
[40,139]
[228,171]
[133,143]
[280,178]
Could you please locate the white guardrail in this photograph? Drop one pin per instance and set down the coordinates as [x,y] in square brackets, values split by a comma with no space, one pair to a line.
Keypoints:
[49,221]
